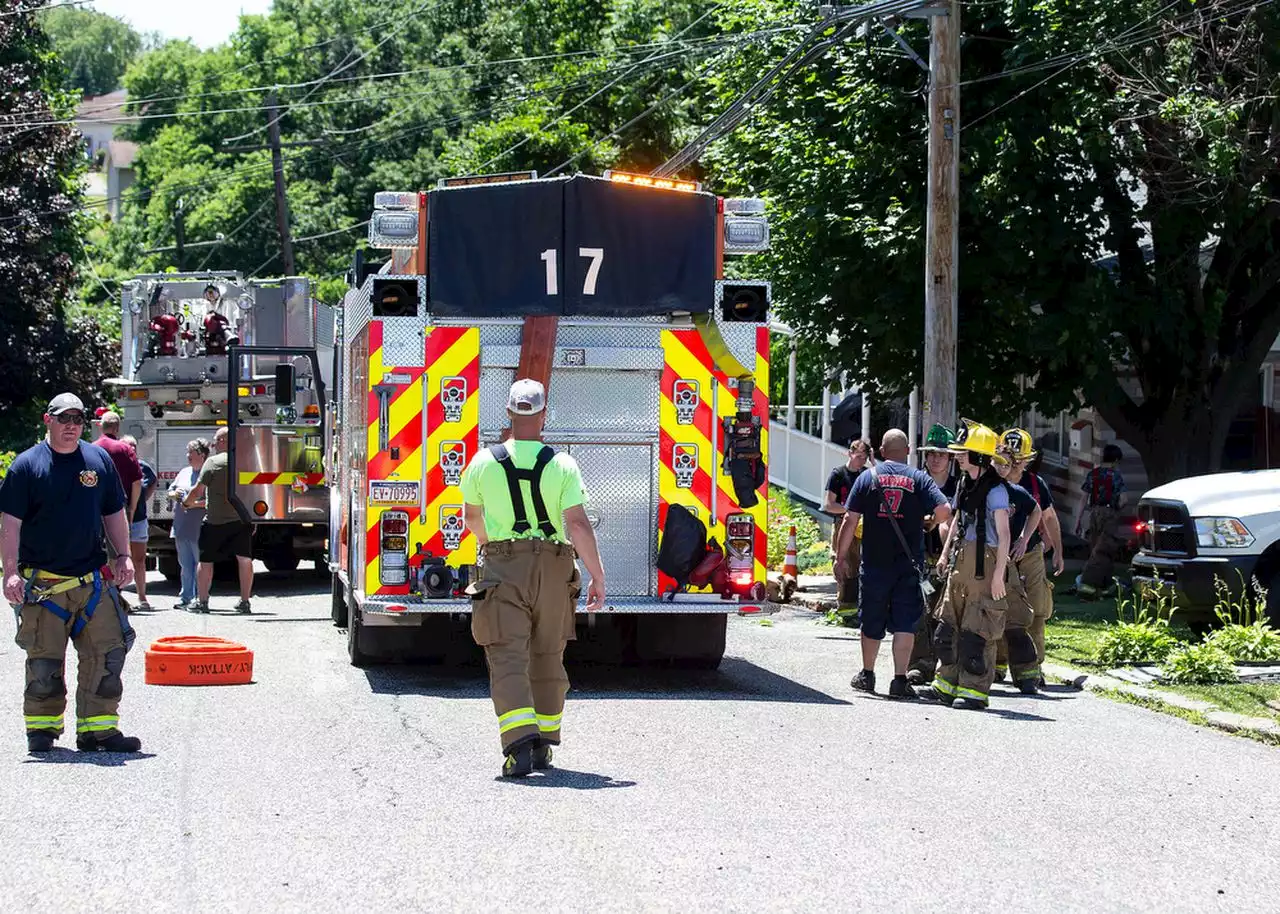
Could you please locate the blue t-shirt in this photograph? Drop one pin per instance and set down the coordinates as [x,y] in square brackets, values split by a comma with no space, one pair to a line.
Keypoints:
[997,500]
[1022,504]
[61,500]
[149,478]
[911,494]
[1039,490]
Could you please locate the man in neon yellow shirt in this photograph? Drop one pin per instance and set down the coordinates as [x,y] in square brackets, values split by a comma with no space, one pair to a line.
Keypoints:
[525,505]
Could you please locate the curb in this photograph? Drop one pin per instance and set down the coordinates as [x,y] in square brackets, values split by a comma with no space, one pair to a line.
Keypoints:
[1215,716]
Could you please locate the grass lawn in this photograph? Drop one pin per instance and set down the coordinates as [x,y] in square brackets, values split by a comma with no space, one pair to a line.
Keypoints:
[1073,634]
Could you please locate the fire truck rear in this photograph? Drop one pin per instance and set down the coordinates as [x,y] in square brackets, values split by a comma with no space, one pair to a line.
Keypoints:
[610,291]
[192,345]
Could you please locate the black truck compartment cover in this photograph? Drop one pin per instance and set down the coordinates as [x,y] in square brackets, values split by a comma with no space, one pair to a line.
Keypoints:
[582,246]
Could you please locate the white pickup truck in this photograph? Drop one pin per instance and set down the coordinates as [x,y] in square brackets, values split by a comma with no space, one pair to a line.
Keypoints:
[1197,530]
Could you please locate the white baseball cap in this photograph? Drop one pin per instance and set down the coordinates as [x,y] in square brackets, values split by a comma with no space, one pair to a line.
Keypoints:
[527,398]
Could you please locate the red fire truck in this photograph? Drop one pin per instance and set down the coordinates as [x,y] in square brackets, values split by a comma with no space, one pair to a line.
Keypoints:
[609,290]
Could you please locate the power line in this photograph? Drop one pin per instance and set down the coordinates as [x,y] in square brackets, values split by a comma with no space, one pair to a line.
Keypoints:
[599,92]
[40,9]
[324,154]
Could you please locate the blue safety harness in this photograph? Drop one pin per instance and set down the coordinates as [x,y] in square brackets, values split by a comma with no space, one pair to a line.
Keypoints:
[90,608]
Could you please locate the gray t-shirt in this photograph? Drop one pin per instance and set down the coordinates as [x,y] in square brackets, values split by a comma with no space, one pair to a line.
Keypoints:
[997,500]
[186,521]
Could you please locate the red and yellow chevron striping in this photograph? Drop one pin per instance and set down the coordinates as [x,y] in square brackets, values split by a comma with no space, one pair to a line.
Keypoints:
[695,398]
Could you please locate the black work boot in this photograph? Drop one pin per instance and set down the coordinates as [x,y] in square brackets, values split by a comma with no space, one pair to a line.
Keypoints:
[865,681]
[519,761]
[41,740]
[901,688]
[1000,674]
[542,757]
[116,742]
[1029,686]
[243,608]
[969,704]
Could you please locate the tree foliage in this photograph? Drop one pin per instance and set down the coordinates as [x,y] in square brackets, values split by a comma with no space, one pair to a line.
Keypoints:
[41,166]
[386,98]
[95,48]
[1120,181]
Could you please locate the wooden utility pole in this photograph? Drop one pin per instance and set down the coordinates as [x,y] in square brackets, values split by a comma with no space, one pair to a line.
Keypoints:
[282,202]
[942,242]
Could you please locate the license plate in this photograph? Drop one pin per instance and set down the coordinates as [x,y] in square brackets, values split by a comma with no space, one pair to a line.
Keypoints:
[384,492]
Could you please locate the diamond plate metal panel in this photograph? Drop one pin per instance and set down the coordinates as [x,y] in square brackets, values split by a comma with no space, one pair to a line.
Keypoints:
[602,402]
[357,309]
[741,340]
[621,505]
[495,385]
[404,342]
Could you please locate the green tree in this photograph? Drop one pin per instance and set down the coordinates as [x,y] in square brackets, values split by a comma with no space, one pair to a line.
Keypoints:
[41,169]
[95,48]
[1120,182]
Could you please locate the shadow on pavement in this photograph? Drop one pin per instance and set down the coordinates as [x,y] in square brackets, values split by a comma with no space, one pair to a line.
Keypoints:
[566,779]
[257,617]
[63,756]
[736,680]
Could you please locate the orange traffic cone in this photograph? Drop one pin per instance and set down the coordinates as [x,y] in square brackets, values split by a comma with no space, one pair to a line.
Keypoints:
[791,565]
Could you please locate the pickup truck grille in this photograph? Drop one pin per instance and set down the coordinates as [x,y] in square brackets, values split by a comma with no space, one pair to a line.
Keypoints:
[1167,530]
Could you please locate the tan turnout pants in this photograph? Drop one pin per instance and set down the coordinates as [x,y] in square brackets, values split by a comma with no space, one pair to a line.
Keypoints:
[1106,546]
[976,623]
[523,617]
[1019,651]
[101,649]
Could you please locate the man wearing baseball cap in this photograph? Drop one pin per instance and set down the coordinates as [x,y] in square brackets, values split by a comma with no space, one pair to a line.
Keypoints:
[53,506]
[525,505]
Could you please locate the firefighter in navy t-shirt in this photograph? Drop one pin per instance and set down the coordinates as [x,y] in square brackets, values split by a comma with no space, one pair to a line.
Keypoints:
[892,561]
[53,505]
[839,484]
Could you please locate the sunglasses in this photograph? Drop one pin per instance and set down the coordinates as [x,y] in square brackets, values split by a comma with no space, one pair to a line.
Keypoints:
[70,418]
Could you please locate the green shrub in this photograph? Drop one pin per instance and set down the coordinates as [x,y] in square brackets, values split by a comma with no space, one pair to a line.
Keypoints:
[1129,643]
[1141,632]
[816,559]
[1199,664]
[783,512]
[6,461]
[1256,643]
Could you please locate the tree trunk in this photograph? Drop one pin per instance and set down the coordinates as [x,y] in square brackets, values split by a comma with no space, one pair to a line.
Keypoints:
[1187,440]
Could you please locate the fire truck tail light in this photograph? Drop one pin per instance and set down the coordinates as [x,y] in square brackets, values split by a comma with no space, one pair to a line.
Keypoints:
[395,543]
[140,393]
[395,199]
[752,206]
[395,525]
[311,410]
[396,608]
[742,578]
[622,177]
[260,508]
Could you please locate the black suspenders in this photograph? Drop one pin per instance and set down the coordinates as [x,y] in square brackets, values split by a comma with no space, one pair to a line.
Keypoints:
[534,478]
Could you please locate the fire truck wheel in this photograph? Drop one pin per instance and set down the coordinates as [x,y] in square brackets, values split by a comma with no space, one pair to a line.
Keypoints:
[169,567]
[354,648]
[339,610]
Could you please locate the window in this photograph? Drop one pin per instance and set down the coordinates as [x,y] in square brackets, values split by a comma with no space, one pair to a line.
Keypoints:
[1050,435]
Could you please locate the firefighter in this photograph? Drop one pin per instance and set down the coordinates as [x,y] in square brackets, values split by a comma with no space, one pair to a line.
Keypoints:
[839,483]
[528,586]
[1038,587]
[941,469]
[1026,581]
[1104,490]
[53,506]
[975,565]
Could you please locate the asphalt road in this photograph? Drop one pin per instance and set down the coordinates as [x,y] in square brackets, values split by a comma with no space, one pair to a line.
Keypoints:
[768,785]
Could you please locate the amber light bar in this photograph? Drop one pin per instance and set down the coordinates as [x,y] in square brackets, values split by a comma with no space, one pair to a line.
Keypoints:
[623,177]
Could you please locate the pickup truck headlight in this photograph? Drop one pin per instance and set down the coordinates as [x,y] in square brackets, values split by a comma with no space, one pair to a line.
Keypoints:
[1222,533]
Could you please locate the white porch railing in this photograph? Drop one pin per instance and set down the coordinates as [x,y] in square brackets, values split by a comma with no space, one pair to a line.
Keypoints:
[799,462]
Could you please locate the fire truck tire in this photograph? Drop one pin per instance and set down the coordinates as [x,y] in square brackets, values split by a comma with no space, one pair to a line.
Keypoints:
[690,641]
[339,610]
[169,567]
[355,649]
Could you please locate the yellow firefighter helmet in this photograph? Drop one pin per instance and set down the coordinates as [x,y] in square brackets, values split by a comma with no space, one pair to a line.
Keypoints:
[1016,444]
[979,439]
